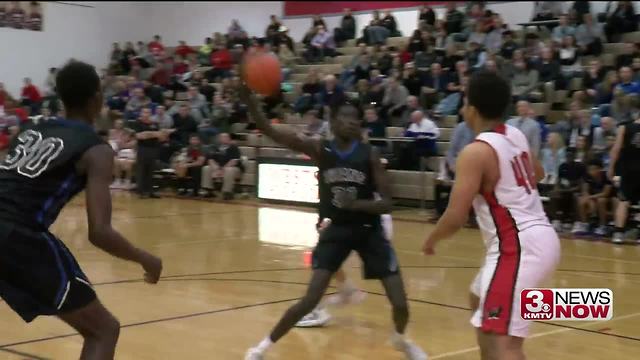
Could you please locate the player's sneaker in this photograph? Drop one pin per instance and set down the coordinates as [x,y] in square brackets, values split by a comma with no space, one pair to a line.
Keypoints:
[116,184]
[557,225]
[601,231]
[316,318]
[254,354]
[410,350]
[347,297]
[618,238]
[580,228]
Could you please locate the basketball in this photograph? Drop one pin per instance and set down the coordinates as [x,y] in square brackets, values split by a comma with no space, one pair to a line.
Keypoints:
[262,73]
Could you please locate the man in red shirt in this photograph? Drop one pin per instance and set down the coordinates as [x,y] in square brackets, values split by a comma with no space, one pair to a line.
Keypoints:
[161,76]
[31,96]
[155,47]
[222,62]
[184,50]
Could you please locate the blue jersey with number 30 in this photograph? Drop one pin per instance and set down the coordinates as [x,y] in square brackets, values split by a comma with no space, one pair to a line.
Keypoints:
[38,177]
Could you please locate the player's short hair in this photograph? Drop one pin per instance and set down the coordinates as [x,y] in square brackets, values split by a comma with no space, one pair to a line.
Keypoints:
[489,93]
[76,84]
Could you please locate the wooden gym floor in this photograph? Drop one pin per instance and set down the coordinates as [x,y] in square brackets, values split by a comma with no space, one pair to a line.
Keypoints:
[232,269]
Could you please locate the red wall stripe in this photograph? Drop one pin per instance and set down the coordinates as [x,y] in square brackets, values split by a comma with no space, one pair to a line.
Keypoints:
[301,8]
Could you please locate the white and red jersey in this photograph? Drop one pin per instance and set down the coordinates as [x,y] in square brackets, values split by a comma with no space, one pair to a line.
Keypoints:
[514,205]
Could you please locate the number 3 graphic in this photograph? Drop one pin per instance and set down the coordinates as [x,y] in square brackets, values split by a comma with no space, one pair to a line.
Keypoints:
[33,155]
[537,301]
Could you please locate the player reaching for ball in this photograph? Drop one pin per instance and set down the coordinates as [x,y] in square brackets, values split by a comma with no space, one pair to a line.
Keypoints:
[497,175]
[350,173]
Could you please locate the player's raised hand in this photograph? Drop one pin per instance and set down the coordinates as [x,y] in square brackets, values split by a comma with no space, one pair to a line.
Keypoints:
[152,266]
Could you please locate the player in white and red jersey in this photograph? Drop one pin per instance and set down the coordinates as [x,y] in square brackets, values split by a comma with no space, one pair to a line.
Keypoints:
[497,175]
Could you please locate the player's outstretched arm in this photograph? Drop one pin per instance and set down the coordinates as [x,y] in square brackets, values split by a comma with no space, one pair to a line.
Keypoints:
[384,205]
[97,162]
[469,173]
[288,138]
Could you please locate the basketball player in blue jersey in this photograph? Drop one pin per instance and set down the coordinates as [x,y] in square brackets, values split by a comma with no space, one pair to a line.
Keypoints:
[46,166]
[350,174]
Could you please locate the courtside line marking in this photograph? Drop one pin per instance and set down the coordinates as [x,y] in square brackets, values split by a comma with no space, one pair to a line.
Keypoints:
[476,348]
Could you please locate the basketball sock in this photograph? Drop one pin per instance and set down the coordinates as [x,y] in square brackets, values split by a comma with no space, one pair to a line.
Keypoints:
[265,344]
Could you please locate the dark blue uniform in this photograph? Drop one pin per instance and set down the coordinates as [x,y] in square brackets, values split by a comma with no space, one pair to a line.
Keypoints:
[348,176]
[38,274]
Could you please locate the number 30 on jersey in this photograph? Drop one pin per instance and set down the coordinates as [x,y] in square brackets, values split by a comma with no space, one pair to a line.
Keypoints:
[33,154]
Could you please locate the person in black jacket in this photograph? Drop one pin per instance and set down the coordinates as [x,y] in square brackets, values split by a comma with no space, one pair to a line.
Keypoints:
[389,21]
[427,15]
[224,163]
[347,29]
[622,20]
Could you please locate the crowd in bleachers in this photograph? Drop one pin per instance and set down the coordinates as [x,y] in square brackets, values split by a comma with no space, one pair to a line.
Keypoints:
[575,77]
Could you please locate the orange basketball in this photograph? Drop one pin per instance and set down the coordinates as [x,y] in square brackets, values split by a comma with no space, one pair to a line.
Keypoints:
[262,73]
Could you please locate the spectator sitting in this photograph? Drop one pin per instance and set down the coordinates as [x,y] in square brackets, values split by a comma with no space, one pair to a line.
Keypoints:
[31,96]
[161,76]
[138,101]
[188,166]
[363,68]
[631,52]
[583,153]
[622,20]
[546,10]
[204,53]
[118,101]
[376,93]
[347,77]
[185,125]
[478,35]
[411,80]
[427,15]
[316,127]
[207,90]
[385,61]
[529,127]
[362,88]
[590,81]
[223,163]
[563,200]
[434,86]
[221,62]
[563,29]
[284,38]
[389,22]
[594,199]
[523,80]
[310,88]
[272,29]
[123,143]
[416,43]
[235,31]
[395,99]
[373,126]
[322,45]
[413,105]
[624,107]
[509,45]
[636,69]
[197,104]
[376,33]
[453,19]
[585,128]
[116,55]
[183,49]
[220,113]
[180,67]
[552,156]
[452,103]
[426,133]
[627,85]
[476,56]
[569,56]
[347,29]
[493,40]
[440,36]
[162,118]
[590,36]
[605,90]
[155,47]
[331,95]
[153,92]
[549,74]
[606,129]
[128,53]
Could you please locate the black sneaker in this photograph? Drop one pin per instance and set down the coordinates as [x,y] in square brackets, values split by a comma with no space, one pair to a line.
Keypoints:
[154,196]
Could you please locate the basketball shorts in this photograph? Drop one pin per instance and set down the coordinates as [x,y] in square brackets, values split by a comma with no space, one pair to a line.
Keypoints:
[369,241]
[38,274]
[629,188]
[503,276]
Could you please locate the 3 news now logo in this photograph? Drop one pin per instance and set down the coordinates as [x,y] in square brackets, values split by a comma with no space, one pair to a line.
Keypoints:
[566,304]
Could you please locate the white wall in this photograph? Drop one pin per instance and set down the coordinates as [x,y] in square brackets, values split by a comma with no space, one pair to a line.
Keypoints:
[194,21]
[81,32]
